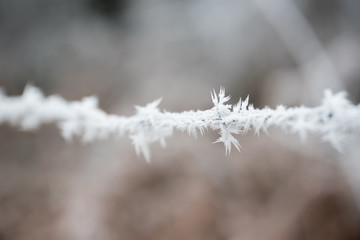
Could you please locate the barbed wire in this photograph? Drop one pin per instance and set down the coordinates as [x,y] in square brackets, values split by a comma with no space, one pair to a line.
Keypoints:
[334,120]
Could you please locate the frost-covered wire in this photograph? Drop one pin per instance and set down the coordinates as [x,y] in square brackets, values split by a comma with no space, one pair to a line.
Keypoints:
[335,119]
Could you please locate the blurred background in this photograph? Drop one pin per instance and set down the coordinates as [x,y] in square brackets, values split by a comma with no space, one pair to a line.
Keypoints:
[130,52]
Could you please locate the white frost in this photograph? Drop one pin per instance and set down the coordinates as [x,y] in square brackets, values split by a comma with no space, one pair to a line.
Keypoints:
[336,119]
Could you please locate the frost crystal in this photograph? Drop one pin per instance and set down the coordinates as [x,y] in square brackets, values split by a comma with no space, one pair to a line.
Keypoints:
[335,120]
